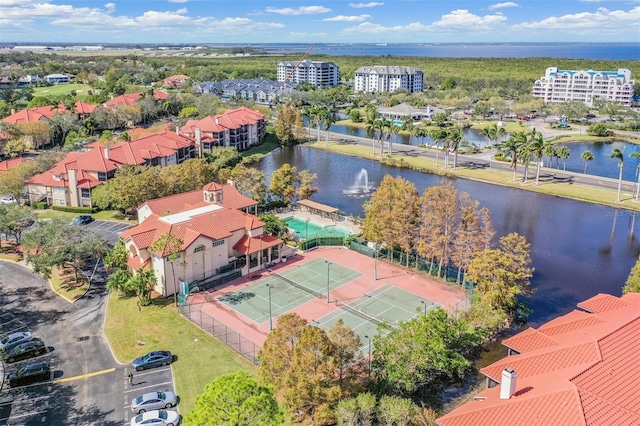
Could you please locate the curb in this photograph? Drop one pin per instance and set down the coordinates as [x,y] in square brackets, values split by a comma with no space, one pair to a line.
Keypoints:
[104,335]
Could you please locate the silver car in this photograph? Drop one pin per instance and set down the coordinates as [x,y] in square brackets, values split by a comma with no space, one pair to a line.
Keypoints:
[14,339]
[153,401]
[156,418]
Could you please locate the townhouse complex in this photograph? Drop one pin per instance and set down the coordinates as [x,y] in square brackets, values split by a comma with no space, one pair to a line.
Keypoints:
[558,86]
[316,73]
[378,79]
[259,90]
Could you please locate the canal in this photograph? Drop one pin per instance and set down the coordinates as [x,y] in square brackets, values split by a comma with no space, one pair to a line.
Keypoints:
[578,249]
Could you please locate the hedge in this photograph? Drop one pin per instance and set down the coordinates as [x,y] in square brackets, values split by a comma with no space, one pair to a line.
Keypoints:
[74,209]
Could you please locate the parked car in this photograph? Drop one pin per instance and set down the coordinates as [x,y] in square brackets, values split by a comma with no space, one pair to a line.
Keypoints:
[153,401]
[8,199]
[25,350]
[14,339]
[30,373]
[152,359]
[156,418]
[83,219]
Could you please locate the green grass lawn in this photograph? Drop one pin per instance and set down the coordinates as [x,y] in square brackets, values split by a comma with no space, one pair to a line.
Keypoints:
[200,357]
[63,283]
[63,89]
[101,215]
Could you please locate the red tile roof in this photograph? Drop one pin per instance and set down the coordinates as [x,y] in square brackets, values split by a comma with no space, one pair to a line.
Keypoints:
[231,198]
[132,98]
[231,119]
[215,225]
[9,164]
[249,244]
[29,115]
[25,116]
[581,368]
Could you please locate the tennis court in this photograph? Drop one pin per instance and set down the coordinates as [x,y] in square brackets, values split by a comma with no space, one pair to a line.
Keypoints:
[277,294]
[388,304]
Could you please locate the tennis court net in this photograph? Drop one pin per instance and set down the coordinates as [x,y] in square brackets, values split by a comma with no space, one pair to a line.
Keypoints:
[361,314]
[297,285]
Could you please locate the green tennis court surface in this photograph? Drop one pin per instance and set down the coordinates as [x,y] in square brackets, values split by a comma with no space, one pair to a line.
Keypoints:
[388,304]
[280,293]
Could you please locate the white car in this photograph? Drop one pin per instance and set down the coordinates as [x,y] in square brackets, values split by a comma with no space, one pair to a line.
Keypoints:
[8,199]
[156,418]
[153,401]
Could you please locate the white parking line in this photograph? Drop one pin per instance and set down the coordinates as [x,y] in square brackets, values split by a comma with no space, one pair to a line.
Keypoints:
[155,370]
[138,389]
[34,413]
[25,398]
[16,329]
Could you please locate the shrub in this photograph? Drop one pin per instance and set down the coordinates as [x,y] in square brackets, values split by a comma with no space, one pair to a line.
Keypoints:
[40,205]
[73,209]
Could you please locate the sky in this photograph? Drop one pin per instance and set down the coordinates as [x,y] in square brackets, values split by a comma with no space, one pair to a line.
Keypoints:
[320,21]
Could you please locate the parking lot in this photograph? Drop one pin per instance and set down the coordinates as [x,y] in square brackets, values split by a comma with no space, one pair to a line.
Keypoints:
[109,230]
[154,380]
[87,386]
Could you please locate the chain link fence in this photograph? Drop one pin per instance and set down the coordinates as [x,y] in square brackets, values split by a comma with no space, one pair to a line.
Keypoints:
[220,331]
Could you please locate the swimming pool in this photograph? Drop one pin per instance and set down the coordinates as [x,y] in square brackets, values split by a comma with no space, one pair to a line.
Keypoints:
[310,230]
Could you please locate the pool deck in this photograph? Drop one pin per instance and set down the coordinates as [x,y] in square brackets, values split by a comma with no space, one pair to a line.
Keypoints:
[353,228]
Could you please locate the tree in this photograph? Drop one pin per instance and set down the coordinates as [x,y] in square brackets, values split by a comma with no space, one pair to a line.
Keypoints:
[536,143]
[142,283]
[391,214]
[116,257]
[14,220]
[394,411]
[12,180]
[283,183]
[59,243]
[248,181]
[632,285]
[327,120]
[618,155]
[133,185]
[490,132]
[501,275]
[346,345]
[587,156]
[273,225]
[637,155]
[222,158]
[563,153]
[288,125]
[511,148]
[424,355]
[235,399]
[307,187]
[454,137]
[169,247]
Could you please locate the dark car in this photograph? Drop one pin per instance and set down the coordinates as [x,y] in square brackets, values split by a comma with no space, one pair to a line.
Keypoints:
[14,339]
[25,350]
[83,219]
[152,359]
[31,373]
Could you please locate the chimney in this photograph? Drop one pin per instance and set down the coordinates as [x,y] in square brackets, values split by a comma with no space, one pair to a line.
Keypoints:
[217,120]
[177,131]
[199,141]
[13,111]
[106,153]
[508,384]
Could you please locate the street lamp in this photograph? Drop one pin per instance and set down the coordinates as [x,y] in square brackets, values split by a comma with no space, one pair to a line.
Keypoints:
[425,307]
[328,287]
[375,263]
[270,316]
[366,336]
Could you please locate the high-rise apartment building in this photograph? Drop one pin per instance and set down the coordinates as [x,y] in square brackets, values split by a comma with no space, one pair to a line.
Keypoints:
[316,73]
[377,79]
[558,86]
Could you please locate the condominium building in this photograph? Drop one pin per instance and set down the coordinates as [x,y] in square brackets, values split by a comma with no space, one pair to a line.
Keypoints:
[377,79]
[558,86]
[316,73]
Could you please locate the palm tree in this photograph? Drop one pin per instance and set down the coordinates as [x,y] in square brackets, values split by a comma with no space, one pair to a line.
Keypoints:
[511,147]
[370,129]
[618,155]
[637,155]
[454,135]
[563,153]
[326,116]
[437,135]
[384,125]
[588,156]
[308,113]
[524,154]
[490,132]
[549,150]
[536,141]
[500,132]
[395,130]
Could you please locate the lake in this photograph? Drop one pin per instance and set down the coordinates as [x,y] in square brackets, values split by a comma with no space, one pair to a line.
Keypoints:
[578,249]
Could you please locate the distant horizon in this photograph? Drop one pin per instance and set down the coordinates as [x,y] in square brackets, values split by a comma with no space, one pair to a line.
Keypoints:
[322,21]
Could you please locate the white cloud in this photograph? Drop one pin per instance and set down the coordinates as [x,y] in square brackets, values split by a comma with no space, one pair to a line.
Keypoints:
[503,5]
[111,7]
[312,36]
[602,19]
[364,5]
[303,10]
[177,1]
[344,18]
[462,18]
[371,28]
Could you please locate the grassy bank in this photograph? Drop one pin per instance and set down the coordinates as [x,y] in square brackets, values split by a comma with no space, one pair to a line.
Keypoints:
[200,357]
[570,190]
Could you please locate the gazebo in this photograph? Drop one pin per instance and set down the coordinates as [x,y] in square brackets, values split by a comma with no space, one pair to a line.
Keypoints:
[319,209]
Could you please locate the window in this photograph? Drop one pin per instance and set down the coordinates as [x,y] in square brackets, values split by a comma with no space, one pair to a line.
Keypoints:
[217,243]
[85,193]
[198,249]
[102,177]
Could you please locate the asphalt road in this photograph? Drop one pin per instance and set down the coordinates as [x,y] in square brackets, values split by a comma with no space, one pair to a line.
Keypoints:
[88,386]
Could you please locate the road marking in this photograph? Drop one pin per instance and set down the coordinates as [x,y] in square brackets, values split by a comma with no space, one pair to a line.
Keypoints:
[155,370]
[85,376]
[24,415]
[138,389]
[24,398]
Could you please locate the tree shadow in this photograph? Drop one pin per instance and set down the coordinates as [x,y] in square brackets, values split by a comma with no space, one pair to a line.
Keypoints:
[237,297]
